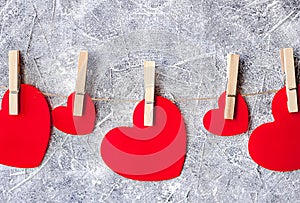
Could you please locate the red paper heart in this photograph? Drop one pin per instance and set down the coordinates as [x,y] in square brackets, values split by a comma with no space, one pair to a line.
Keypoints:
[215,123]
[148,153]
[64,120]
[24,137]
[276,145]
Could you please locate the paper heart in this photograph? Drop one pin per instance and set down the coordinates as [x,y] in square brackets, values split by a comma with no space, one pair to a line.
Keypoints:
[148,153]
[64,120]
[215,123]
[276,145]
[24,137]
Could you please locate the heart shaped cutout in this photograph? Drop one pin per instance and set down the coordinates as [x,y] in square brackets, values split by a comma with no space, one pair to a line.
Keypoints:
[275,145]
[24,137]
[64,120]
[148,153]
[215,123]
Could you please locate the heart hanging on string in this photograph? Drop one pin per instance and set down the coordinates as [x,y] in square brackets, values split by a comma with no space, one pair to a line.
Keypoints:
[215,123]
[148,153]
[24,137]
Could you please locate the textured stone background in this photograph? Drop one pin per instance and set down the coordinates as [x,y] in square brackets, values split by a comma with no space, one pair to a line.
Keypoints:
[189,40]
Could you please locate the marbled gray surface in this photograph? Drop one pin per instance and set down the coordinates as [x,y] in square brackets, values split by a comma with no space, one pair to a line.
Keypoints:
[189,40]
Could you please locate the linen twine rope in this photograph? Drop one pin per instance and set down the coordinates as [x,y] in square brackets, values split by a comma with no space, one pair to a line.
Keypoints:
[174,100]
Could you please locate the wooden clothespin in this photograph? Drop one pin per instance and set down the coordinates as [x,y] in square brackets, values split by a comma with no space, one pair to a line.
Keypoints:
[287,63]
[149,79]
[80,84]
[232,76]
[14,81]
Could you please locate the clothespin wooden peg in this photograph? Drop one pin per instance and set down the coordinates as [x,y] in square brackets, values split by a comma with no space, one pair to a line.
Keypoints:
[287,63]
[232,76]
[14,81]
[80,84]
[149,79]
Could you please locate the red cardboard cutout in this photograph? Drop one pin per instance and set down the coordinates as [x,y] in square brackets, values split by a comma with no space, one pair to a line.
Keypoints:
[24,137]
[276,145]
[215,123]
[64,120]
[148,153]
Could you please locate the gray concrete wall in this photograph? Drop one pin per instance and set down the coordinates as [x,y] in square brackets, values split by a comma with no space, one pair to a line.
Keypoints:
[189,40]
